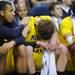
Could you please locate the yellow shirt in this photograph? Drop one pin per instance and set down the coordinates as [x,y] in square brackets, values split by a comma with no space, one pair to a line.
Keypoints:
[33,35]
[32,30]
[65,28]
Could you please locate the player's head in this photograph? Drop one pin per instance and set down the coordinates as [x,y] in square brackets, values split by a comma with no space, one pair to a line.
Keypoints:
[45,29]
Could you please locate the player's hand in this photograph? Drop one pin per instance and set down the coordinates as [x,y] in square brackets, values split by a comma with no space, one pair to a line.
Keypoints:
[8,45]
[53,44]
[3,50]
[43,44]
[25,21]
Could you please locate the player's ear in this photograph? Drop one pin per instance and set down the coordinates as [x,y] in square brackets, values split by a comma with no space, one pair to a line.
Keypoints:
[2,13]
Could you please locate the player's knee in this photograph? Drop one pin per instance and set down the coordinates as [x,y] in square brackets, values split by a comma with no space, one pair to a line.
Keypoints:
[22,51]
[62,49]
[29,50]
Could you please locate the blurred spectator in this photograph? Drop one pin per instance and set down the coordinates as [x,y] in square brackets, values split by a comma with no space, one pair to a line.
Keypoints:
[20,11]
[57,13]
[67,8]
[73,6]
[33,2]
[39,10]
[22,2]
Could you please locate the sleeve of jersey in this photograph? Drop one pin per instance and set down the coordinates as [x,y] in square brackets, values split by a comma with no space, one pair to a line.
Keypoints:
[32,30]
[20,40]
[31,23]
[66,26]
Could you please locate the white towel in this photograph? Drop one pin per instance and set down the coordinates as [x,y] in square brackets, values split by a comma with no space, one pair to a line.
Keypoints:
[52,64]
[49,66]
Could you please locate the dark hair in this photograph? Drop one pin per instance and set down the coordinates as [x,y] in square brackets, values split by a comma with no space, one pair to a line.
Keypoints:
[53,4]
[60,1]
[45,29]
[16,1]
[26,3]
[3,5]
